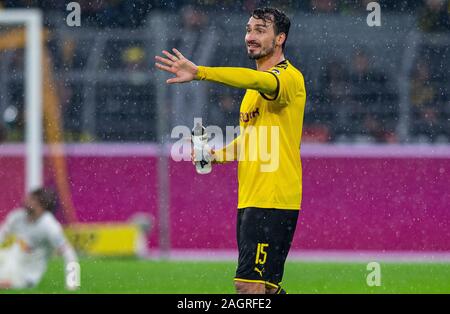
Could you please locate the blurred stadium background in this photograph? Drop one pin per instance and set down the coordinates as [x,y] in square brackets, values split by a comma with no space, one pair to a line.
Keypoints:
[375,148]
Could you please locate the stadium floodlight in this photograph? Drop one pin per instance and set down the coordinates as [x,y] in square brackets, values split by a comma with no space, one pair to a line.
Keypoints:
[32,20]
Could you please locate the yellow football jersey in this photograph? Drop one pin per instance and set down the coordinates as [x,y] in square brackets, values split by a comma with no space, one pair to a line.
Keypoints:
[269,170]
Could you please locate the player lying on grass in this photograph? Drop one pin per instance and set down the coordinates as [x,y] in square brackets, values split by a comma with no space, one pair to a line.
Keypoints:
[37,234]
[268,200]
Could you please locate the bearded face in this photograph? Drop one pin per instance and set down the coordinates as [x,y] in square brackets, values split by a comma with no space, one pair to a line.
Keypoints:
[260,38]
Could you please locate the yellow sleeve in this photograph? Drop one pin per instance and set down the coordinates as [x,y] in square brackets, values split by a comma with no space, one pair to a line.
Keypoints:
[229,152]
[264,82]
[286,86]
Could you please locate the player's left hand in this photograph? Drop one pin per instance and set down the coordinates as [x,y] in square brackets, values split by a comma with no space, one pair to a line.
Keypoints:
[184,69]
[210,153]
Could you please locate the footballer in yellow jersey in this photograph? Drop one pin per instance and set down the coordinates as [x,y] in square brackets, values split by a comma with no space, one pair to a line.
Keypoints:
[267,149]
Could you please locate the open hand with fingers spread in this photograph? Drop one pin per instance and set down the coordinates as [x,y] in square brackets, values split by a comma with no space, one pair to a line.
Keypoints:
[184,69]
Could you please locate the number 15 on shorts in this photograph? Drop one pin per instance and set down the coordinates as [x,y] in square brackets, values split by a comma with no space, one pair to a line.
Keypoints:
[261,254]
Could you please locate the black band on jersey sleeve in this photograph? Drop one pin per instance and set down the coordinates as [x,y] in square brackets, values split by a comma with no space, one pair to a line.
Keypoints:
[277,91]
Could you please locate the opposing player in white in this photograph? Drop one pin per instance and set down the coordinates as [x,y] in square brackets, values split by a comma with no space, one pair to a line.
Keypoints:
[37,235]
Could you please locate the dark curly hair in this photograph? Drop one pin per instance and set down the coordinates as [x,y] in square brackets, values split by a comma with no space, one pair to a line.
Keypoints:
[279,19]
[46,197]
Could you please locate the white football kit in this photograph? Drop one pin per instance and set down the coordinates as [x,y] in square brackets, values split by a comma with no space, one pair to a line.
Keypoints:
[23,264]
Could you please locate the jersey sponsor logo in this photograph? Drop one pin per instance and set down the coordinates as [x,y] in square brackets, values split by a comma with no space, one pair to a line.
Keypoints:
[247,116]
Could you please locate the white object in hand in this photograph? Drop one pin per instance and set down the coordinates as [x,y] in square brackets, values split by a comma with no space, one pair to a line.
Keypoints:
[202,157]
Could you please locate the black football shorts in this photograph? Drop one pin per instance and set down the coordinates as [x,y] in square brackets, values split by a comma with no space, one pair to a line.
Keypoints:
[264,238]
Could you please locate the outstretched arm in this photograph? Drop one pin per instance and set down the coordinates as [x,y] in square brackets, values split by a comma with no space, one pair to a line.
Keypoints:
[229,152]
[59,242]
[183,69]
[186,71]
[263,82]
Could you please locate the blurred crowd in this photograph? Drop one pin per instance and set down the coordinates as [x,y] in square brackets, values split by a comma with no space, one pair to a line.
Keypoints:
[433,14]
[358,99]
[351,100]
[133,13]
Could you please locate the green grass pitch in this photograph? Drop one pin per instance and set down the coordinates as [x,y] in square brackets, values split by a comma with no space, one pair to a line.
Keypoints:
[108,275]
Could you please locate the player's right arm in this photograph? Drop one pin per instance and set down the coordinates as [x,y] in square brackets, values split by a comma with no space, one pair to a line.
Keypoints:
[186,71]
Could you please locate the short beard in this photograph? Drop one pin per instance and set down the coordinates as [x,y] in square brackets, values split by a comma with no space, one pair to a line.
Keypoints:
[263,53]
